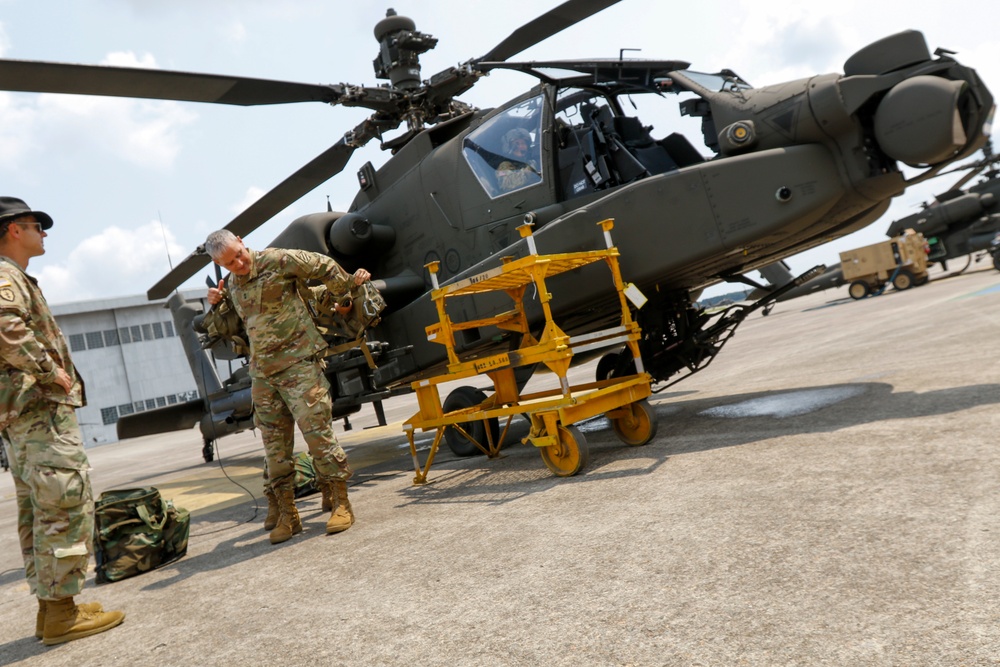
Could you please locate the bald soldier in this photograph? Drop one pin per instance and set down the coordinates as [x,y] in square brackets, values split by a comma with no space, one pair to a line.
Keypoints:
[39,391]
[286,369]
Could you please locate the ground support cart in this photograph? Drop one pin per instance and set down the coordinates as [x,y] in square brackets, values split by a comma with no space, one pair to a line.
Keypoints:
[552,413]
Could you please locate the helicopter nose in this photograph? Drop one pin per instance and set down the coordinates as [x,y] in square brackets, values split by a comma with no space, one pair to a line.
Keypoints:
[919,120]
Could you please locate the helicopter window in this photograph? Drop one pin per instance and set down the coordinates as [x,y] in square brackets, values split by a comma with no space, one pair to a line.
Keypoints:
[504,152]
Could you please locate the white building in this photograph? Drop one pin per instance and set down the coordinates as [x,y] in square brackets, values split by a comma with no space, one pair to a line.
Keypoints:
[130,358]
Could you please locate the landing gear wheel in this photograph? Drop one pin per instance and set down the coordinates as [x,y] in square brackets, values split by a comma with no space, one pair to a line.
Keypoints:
[467,397]
[639,427]
[615,365]
[208,451]
[859,289]
[568,457]
[996,261]
[903,280]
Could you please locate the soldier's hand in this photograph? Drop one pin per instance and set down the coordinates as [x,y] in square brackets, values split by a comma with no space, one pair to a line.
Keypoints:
[63,380]
[215,293]
[361,275]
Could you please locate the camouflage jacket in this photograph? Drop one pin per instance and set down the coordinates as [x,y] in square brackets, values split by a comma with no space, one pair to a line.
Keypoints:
[279,326]
[32,346]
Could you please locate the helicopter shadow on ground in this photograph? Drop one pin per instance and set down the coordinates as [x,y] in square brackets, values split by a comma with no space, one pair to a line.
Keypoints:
[690,426]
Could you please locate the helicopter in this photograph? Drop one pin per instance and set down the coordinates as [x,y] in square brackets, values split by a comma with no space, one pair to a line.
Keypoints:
[961,223]
[957,223]
[788,167]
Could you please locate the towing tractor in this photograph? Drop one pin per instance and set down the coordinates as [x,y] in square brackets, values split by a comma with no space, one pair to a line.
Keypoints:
[901,261]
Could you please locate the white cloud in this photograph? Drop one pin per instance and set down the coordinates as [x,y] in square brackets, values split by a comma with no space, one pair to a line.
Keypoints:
[143,133]
[116,262]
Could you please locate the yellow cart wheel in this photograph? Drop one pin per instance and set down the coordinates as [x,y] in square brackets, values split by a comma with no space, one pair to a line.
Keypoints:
[639,427]
[570,456]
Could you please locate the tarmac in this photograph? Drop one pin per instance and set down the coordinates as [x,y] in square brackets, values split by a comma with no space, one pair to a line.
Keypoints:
[824,493]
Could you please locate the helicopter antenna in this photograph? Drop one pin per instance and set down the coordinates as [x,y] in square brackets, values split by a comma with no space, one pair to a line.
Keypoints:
[166,246]
[329,207]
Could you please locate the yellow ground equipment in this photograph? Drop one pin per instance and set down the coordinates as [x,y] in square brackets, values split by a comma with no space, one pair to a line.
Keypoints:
[901,261]
[552,413]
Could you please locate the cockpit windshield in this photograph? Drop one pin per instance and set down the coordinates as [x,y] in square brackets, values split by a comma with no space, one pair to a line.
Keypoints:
[504,151]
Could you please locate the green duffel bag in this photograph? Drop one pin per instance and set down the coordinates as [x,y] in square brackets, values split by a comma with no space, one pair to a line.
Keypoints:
[135,531]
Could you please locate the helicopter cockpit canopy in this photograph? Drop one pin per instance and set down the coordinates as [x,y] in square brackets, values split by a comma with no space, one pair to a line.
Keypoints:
[504,151]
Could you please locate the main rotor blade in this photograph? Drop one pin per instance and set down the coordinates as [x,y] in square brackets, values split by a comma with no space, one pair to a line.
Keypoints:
[323,167]
[546,25]
[45,77]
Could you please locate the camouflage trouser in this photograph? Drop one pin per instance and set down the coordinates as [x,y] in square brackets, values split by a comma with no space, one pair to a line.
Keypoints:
[299,395]
[55,505]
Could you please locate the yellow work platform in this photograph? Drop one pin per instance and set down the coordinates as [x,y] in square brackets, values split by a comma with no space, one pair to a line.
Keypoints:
[552,413]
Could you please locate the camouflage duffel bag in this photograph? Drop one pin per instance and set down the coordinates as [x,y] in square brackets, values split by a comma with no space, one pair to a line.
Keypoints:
[135,530]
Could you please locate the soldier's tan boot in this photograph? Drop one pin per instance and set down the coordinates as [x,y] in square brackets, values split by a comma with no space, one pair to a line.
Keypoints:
[89,607]
[271,520]
[326,492]
[66,621]
[288,517]
[342,517]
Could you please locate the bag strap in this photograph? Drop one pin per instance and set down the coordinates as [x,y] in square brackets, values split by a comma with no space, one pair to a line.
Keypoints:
[143,513]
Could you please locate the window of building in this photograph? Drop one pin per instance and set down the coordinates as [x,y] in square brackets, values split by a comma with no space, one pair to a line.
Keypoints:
[94,340]
[109,415]
[147,332]
[123,335]
[150,403]
[172,399]
[161,401]
[125,409]
[136,333]
[169,328]
[140,406]
[111,337]
[157,330]
[77,343]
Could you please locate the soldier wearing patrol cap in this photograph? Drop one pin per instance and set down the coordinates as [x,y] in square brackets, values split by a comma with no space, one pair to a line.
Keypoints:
[39,391]
[286,371]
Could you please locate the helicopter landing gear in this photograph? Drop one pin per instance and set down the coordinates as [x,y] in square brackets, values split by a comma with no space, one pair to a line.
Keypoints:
[615,365]
[996,261]
[460,399]
[208,450]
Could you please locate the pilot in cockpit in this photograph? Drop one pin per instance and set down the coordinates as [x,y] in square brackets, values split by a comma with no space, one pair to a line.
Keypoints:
[521,167]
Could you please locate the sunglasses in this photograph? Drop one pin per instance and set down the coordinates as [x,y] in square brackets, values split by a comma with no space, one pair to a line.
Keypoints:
[37,225]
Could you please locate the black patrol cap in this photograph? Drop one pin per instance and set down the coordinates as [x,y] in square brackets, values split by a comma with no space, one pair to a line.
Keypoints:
[12,207]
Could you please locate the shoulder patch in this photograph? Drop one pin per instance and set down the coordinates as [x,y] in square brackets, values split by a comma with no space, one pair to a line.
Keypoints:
[6,293]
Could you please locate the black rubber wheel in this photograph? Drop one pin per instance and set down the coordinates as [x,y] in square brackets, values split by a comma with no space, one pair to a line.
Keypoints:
[903,280]
[467,397]
[859,289]
[996,261]
[208,451]
[614,365]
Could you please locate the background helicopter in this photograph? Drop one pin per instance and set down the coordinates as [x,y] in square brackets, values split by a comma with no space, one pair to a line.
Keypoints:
[956,223]
[792,166]
[961,223]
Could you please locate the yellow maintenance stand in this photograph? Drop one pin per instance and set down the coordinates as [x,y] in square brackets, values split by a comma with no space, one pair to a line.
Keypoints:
[552,413]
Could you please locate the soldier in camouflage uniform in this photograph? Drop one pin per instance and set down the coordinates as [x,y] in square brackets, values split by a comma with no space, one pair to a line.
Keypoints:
[288,383]
[39,392]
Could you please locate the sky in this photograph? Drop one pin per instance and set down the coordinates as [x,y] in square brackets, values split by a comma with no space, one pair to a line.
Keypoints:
[135,185]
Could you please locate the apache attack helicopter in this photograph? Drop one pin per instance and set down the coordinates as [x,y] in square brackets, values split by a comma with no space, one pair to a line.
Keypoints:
[961,223]
[788,167]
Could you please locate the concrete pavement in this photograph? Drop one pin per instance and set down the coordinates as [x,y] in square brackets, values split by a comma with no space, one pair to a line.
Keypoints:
[825,493]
